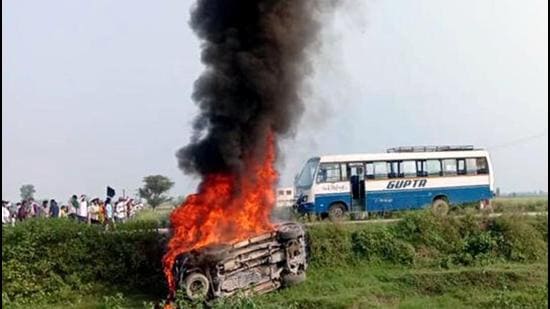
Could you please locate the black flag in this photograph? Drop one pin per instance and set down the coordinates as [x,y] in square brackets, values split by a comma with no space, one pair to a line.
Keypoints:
[110,192]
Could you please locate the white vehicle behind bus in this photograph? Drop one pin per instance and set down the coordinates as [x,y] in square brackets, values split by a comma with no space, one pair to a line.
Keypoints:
[402,178]
[285,197]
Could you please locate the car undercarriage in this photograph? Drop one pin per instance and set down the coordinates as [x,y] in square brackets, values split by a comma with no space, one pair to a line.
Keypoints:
[256,265]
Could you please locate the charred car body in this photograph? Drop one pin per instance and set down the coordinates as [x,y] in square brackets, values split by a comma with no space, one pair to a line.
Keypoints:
[256,265]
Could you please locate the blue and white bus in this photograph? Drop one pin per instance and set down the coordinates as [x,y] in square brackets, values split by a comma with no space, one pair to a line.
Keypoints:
[402,178]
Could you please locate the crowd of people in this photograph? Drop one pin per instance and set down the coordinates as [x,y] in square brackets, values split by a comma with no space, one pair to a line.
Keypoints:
[83,209]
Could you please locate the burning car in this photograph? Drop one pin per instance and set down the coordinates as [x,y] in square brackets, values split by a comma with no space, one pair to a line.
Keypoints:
[258,265]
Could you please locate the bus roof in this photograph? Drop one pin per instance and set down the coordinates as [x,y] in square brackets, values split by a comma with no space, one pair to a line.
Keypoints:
[393,156]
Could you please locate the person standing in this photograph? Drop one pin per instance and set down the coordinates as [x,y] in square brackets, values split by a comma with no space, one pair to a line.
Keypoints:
[64,211]
[120,210]
[101,211]
[45,209]
[108,212]
[54,209]
[31,211]
[5,213]
[38,210]
[24,211]
[14,208]
[82,211]
[93,211]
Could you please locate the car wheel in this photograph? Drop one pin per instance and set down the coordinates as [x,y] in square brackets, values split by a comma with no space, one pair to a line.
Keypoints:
[440,207]
[293,279]
[196,286]
[336,212]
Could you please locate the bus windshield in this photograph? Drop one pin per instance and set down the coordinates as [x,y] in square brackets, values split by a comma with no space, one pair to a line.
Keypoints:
[305,179]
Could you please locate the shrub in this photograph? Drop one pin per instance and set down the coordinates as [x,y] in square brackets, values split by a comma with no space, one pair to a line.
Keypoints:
[541,224]
[47,259]
[517,239]
[381,245]
[428,230]
[536,298]
[329,245]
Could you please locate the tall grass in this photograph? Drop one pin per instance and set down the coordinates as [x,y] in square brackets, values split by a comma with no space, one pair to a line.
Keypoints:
[520,204]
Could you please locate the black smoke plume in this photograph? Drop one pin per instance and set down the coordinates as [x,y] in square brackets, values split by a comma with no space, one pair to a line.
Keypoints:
[256,57]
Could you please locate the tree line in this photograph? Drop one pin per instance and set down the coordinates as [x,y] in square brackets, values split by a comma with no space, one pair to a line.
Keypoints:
[153,191]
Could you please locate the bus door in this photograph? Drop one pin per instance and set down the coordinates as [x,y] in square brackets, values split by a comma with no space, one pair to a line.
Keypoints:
[356,172]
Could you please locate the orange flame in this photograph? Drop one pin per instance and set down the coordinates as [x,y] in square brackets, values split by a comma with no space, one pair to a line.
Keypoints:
[226,209]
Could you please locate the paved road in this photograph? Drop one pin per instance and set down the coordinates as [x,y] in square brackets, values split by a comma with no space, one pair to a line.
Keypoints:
[493,215]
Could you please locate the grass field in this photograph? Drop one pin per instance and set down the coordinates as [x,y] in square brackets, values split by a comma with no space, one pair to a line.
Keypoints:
[520,204]
[505,285]
[500,205]
[409,287]
[336,279]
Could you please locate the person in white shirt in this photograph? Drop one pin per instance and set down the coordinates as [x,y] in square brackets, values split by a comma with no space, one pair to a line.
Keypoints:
[6,218]
[82,211]
[120,211]
[108,213]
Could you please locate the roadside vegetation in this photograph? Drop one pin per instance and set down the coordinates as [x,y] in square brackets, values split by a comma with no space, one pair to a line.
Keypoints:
[421,261]
[520,204]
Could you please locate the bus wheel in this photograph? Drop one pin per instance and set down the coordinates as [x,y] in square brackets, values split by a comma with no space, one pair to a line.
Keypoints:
[336,212]
[440,207]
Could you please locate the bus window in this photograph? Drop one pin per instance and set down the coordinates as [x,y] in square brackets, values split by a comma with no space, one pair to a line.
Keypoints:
[344,170]
[306,177]
[328,172]
[407,169]
[356,169]
[393,168]
[461,163]
[381,170]
[433,167]
[370,170]
[471,166]
[482,166]
[421,168]
[449,167]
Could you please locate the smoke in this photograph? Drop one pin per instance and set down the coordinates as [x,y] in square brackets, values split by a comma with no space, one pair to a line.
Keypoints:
[256,54]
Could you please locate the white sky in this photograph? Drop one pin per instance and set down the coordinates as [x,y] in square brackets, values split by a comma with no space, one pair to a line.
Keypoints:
[97,93]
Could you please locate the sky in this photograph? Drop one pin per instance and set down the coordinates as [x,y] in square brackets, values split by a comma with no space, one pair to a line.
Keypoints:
[98,93]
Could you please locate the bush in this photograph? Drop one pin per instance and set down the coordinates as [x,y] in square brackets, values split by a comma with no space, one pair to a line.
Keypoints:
[537,298]
[44,260]
[520,204]
[426,229]
[477,249]
[329,245]
[541,224]
[517,239]
[381,245]
[51,259]
[424,237]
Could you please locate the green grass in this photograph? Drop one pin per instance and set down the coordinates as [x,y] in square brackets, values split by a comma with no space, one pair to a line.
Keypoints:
[520,204]
[387,286]
[424,261]
[384,286]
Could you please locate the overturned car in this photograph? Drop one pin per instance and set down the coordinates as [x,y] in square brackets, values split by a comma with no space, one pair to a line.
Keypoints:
[256,265]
